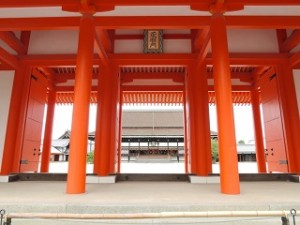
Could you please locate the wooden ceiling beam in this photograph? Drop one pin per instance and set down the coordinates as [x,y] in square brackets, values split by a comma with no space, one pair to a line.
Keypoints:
[253,59]
[129,60]
[141,36]
[9,59]
[152,88]
[13,42]
[291,42]
[129,77]
[201,4]
[100,48]
[151,22]
[105,39]
[294,60]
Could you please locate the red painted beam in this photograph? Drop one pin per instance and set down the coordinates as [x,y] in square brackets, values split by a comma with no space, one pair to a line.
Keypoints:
[291,42]
[200,37]
[202,4]
[151,59]
[254,59]
[105,39]
[294,60]
[13,42]
[8,59]
[141,36]
[137,60]
[61,78]
[129,77]
[235,75]
[100,48]
[152,88]
[281,37]
[53,60]
[151,22]
[68,89]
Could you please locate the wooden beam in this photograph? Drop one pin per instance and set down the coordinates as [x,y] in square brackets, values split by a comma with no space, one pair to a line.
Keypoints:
[200,38]
[63,77]
[100,48]
[8,58]
[152,59]
[13,42]
[201,4]
[67,89]
[129,60]
[25,39]
[234,87]
[291,42]
[54,60]
[105,39]
[203,49]
[294,60]
[151,22]
[141,36]
[281,37]
[253,59]
[234,75]
[152,88]
[129,77]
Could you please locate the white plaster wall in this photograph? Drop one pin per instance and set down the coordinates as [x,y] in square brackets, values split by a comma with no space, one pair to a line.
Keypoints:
[53,42]
[6,81]
[297,86]
[252,41]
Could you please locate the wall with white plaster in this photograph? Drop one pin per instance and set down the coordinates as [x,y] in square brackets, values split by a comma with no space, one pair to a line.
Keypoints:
[6,81]
[297,86]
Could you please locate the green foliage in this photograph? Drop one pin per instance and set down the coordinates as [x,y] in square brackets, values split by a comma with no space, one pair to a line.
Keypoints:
[214,150]
[242,142]
[90,157]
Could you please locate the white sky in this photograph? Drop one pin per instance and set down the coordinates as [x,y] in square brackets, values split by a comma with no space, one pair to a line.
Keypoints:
[243,121]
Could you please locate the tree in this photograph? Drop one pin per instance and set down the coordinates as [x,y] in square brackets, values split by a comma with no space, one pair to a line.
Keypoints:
[214,150]
[241,142]
[90,157]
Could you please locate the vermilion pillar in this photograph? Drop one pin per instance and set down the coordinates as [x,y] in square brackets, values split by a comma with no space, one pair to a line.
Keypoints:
[48,132]
[16,117]
[115,120]
[120,134]
[189,110]
[106,140]
[259,143]
[290,115]
[102,146]
[82,91]
[199,121]
[186,151]
[227,143]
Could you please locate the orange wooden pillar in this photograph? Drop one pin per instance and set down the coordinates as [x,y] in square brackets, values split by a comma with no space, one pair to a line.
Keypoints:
[259,142]
[290,116]
[199,121]
[16,120]
[102,145]
[115,121]
[186,149]
[79,131]
[120,133]
[189,110]
[48,132]
[106,140]
[227,143]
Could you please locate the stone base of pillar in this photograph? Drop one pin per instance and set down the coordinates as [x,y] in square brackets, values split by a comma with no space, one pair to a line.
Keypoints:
[101,179]
[204,179]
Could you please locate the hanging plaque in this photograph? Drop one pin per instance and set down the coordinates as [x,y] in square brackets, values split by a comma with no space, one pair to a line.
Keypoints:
[153,41]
